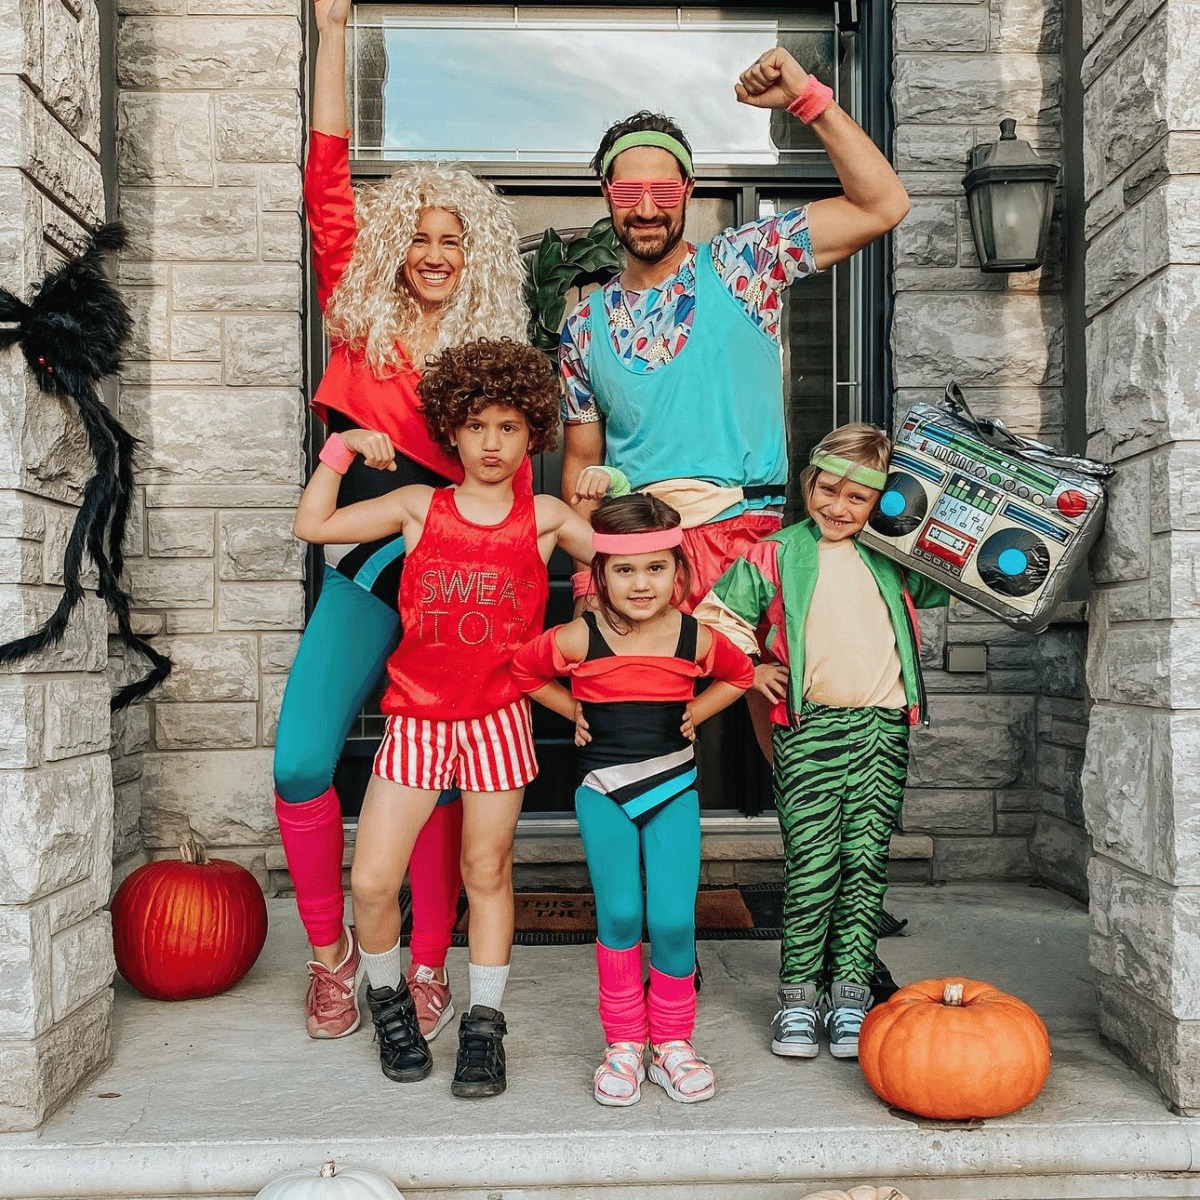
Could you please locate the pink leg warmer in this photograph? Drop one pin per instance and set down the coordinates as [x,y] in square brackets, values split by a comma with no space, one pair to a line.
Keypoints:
[313,841]
[622,1001]
[435,877]
[672,1006]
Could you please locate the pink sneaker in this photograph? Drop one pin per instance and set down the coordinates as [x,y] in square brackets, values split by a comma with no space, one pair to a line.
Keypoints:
[681,1072]
[331,1004]
[434,1005]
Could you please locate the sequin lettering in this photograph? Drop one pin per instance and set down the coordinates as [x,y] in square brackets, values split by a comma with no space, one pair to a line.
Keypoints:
[481,593]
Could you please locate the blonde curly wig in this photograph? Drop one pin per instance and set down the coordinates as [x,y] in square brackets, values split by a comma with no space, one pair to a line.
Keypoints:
[373,312]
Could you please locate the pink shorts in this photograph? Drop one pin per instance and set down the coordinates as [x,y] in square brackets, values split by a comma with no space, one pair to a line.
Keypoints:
[713,547]
[492,753]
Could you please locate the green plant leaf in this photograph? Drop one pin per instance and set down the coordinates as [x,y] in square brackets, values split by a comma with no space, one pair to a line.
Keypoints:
[596,258]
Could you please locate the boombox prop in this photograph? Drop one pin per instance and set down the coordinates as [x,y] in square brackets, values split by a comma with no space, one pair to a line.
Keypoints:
[996,518]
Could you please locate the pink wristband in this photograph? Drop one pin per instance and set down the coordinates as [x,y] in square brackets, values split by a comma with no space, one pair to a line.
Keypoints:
[582,585]
[335,454]
[812,101]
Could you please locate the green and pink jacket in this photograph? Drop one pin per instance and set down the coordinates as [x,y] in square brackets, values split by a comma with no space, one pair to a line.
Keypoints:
[774,583]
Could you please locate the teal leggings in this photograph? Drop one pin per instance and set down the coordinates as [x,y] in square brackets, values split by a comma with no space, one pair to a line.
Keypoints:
[344,648]
[669,846]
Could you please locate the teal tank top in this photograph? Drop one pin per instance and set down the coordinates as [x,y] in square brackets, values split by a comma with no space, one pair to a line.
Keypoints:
[714,412]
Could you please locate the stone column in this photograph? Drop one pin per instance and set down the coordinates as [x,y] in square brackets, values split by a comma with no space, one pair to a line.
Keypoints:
[1141,779]
[961,67]
[209,149]
[56,798]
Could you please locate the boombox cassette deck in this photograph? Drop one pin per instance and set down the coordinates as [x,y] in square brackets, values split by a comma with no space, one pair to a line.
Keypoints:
[996,518]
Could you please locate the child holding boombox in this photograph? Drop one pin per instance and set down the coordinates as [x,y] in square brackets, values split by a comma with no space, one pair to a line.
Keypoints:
[845,691]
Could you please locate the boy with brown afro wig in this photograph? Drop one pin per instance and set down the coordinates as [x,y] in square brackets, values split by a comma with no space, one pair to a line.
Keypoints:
[464,380]
[472,592]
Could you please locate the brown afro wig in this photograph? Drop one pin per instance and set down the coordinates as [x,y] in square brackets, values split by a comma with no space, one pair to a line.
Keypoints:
[464,380]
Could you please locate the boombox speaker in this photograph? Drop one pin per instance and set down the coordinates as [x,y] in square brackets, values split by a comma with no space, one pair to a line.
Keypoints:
[998,519]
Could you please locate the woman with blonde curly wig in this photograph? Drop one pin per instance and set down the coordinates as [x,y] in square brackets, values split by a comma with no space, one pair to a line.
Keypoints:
[424,261]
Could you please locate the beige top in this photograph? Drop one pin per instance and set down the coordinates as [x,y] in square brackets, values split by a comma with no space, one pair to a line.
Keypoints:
[850,658]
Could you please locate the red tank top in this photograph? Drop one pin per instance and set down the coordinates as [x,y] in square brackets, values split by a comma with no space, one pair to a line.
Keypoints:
[470,597]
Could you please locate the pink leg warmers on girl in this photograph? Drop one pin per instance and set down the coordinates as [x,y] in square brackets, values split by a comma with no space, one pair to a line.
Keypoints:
[622,1001]
[672,1007]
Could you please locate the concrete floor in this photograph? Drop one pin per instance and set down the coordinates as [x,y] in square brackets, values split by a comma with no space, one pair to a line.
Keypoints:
[215,1097]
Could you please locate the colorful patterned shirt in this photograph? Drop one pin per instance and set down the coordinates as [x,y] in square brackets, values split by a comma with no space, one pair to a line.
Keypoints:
[755,262]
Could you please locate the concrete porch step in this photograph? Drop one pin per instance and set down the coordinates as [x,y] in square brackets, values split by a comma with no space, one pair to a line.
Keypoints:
[549,853]
[213,1098]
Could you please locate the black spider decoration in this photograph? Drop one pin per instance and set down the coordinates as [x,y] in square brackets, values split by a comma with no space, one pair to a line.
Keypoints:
[72,332]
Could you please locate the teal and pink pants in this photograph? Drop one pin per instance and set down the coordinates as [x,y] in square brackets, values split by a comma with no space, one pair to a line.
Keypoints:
[340,659]
[668,846]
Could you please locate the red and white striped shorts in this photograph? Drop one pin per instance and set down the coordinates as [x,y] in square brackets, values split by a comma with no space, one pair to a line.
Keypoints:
[492,753]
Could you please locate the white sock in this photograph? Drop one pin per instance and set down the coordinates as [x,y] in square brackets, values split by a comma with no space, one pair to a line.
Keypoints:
[487,985]
[386,969]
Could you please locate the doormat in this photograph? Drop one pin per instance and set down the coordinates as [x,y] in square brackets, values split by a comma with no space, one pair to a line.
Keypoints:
[720,912]
[567,916]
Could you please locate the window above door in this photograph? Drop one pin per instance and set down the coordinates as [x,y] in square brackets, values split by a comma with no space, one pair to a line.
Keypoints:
[535,84]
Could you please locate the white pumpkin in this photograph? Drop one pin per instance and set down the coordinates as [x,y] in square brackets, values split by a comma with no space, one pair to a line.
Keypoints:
[863,1192]
[330,1183]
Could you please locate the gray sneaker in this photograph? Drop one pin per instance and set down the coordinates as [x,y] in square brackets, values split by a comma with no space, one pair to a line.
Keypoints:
[794,1026]
[846,1005]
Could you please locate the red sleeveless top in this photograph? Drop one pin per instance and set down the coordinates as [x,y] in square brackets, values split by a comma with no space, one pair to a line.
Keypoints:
[470,597]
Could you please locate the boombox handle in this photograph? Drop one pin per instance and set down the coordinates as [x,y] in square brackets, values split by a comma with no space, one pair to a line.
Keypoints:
[996,433]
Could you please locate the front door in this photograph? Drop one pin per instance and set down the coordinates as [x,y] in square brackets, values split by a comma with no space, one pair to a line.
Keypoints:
[521,96]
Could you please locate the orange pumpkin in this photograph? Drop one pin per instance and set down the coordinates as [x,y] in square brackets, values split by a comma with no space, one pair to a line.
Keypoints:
[954,1049]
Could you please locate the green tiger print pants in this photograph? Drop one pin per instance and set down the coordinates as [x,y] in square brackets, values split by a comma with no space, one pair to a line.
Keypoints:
[838,782]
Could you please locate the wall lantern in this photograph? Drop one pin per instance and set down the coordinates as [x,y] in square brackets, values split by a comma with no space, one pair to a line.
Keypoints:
[1010,196]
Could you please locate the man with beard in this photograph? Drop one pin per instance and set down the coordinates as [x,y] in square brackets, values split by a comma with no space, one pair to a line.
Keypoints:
[705,431]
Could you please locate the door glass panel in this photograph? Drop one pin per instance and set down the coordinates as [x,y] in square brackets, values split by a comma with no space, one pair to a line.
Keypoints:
[819,344]
[532,84]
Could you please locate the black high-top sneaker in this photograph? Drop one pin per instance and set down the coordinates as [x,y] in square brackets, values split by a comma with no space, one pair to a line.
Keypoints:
[403,1053]
[480,1070]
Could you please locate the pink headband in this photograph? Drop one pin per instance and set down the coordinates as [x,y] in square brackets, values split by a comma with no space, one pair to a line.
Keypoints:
[638,543]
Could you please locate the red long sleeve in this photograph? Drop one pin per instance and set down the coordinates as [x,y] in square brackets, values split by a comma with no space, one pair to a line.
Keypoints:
[329,206]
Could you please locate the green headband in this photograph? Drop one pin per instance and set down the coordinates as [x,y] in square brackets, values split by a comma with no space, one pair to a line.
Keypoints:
[648,137]
[855,472]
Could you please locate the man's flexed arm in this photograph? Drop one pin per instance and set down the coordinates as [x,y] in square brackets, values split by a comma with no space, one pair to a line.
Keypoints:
[874,200]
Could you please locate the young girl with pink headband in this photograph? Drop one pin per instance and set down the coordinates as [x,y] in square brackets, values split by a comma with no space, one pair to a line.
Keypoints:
[633,667]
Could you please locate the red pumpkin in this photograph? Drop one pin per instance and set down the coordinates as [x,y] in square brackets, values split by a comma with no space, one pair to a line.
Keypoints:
[182,930]
[954,1049]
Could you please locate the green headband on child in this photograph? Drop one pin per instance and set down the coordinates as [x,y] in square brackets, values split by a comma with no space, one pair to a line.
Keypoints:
[648,137]
[855,472]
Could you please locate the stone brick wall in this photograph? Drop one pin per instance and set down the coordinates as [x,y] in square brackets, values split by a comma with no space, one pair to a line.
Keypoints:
[1142,111]
[995,754]
[209,128]
[210,141]
[56,799]
[1059,846]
